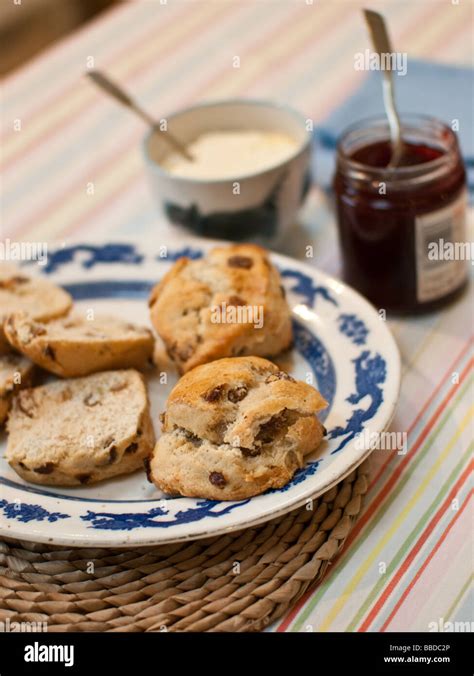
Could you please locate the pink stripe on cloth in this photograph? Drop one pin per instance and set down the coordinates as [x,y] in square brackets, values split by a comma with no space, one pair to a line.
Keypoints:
[92,98]
[51,70]
[43,213]
[40,213]
[23,228]
[435,569]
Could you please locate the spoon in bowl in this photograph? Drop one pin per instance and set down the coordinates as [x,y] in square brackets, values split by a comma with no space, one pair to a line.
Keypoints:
[111,88]
[381,44]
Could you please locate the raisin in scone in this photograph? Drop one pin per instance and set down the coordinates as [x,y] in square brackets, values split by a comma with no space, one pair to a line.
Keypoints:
[15,373]
[74,346]
[234,428]
[230,303]
[80,431]
[38,298]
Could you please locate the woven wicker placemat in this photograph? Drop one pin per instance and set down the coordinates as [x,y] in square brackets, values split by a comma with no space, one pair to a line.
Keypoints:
[242,581]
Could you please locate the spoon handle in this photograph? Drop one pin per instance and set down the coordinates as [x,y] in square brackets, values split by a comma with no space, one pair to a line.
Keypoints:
[381,42]
[113,89]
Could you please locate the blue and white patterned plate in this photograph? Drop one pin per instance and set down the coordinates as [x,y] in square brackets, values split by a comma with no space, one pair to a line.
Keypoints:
[340,343]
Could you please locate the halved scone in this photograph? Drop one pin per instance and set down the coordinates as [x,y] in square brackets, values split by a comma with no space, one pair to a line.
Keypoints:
[74,346]
[80,431]
[38,298]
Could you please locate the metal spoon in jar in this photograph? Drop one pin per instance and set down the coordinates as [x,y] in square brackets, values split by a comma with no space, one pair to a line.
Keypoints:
[381,43]
[122,97]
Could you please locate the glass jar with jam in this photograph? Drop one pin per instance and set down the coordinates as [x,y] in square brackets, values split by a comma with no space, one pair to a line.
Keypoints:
[394,223]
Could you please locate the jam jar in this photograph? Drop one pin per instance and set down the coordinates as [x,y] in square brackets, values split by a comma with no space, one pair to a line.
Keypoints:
[394,222]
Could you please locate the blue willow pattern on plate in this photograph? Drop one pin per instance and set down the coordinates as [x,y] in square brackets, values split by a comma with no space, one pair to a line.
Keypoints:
[24,512]
[132,520]
[370,374]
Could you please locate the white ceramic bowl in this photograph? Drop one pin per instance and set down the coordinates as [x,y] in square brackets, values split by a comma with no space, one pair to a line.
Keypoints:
[268,200]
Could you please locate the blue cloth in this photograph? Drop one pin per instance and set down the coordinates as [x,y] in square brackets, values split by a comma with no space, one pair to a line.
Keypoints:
[444,92]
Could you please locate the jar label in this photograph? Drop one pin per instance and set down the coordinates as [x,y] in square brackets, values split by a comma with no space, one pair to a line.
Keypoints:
[440,241]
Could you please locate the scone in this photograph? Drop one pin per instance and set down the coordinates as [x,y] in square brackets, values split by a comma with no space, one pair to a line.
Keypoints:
[15,373]
[80,431]
[73,346]
[230,303]
[40,299]
[234,428]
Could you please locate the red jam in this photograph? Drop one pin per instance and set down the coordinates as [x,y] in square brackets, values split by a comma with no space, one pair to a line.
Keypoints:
[392,219]
[378,154]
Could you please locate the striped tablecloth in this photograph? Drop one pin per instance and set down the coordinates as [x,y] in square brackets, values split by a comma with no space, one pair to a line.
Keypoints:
[407,564]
